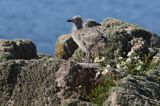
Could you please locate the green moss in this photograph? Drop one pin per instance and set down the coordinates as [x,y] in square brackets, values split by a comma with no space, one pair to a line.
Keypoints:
[100,92]
[153,65]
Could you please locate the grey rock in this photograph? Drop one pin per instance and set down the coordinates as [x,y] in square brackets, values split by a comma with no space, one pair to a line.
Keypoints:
[154,74]
[28,82]
[71,78]
[41,81]
[133,91]
[17,49]
[44,81]
[121,36]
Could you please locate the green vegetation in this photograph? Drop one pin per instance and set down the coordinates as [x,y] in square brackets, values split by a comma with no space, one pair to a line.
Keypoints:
[78,55]
[100,92]
[158,79]
[135,64]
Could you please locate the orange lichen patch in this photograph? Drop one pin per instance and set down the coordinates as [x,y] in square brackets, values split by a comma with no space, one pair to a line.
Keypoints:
[59,45]
[58,50]
[62,38]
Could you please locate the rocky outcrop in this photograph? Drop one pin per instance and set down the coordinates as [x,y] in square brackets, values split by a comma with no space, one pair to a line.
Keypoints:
[126,74]
[17,49]
[135,90]
[39,81]
[130,50]
[28,82]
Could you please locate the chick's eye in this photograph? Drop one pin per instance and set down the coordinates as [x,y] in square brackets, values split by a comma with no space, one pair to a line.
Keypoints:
[76,21]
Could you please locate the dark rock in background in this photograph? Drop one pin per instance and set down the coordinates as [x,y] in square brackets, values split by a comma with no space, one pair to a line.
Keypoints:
[17,49]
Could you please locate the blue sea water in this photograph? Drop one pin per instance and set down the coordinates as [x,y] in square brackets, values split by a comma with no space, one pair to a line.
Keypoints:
[43,21]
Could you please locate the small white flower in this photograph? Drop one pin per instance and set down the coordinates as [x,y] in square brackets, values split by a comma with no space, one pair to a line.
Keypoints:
[117,51]
[96,59]
[105,71]
[102,59]
[123,63]
[139,67]
[118,66]
[135,57]
[155,57]
[129,54]
[125,67]
[151,50]
[99,60]
[108,66]
[140,62]
[79,86]
[120,58]
[128,60]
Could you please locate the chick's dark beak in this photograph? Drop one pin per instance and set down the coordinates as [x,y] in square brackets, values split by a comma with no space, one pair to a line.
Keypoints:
[69,20]
[98,24]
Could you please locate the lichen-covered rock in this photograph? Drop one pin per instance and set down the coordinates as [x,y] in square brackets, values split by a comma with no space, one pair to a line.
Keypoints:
[133,91]
[44,81]
[65,46]
[28,82]
[125,37]
[41,81]
[154,74]
[72,77]
[17,49]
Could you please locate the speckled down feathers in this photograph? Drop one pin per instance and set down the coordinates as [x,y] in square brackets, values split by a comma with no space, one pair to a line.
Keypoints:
[88,38]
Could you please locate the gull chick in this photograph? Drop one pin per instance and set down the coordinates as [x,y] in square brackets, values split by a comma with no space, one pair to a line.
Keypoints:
[90,23]
[87,37]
